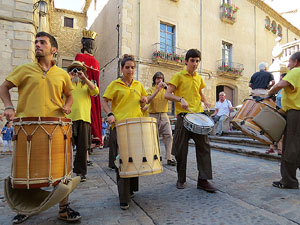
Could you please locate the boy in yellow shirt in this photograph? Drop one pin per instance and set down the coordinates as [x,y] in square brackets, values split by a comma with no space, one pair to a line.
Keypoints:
[185,89]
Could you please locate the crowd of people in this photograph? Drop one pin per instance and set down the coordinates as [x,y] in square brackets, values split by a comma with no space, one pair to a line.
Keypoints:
[42,84]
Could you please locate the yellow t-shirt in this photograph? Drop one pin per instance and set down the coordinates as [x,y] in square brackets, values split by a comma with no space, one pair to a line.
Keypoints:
[188,86]
[81,108]
[125,100]
[36,90]
[291,98]
[159,103]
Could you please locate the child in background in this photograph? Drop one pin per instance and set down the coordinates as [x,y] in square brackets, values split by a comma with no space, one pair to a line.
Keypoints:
[7,133]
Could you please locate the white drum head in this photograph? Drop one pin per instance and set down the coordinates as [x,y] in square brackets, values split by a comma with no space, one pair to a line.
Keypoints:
[200,119]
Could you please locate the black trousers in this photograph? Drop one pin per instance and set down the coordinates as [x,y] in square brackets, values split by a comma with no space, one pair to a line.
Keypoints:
[180,150]
[126,186]
[81,137]
[290,159]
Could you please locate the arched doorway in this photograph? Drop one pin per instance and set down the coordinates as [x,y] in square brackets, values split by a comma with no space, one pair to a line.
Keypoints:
[228,91]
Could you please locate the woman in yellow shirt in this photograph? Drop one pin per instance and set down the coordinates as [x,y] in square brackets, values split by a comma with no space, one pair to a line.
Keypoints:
[127,97]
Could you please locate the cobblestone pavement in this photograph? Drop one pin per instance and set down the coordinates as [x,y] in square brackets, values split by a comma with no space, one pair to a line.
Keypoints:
[245,195]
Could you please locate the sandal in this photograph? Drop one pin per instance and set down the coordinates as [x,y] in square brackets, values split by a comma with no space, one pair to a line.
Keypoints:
[19,218]
[71,215]
[269,151]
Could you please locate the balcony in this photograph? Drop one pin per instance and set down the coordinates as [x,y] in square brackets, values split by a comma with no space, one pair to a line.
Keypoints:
[174,57]
[230,70]
[228,13]
[288,50]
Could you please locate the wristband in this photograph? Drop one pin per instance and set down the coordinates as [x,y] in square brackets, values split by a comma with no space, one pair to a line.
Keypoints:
[180,99]
[110,114]
[9,107]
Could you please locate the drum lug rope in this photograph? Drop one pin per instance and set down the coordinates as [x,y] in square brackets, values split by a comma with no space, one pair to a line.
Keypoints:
[143,144]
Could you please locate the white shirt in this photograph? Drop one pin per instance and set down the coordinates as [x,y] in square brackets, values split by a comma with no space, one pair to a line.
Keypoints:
[224,107]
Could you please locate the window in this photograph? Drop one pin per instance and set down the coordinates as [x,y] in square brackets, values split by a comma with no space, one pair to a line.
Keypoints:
[66,63]
[226,53]
[279,30]
[267,21]
[68,22]
[167,38]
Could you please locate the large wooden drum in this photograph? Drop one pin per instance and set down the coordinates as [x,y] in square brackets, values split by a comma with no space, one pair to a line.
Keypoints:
[262,120]
[138,147]
[42,153]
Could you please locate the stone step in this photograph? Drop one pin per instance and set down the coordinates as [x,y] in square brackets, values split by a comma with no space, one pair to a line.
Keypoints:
[241,140]
[245,150]
[234,133]
[259,152]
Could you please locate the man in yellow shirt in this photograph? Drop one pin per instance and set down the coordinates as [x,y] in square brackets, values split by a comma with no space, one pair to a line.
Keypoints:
[290,100]
[158,109]
[37,84]
[83,89]
[185,89]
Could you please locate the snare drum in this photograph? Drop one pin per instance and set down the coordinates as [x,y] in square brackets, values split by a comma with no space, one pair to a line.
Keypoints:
[42,151]
[255,120]
[198,123]
[138,147]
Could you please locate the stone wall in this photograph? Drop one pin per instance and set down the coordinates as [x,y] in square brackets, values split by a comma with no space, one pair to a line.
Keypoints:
[18,26]
[69,39]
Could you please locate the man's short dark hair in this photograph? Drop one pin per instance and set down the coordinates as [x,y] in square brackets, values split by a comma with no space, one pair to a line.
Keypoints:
[192,53]
[295,56]
[52,39]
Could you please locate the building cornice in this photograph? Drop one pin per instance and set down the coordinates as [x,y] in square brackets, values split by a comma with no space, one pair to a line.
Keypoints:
[272,13]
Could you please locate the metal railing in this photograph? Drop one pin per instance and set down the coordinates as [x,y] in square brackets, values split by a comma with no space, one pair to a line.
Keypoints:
[174,54]
[228,11]
[230,67]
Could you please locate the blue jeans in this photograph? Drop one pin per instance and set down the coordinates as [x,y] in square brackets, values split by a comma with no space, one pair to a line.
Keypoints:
[220,125]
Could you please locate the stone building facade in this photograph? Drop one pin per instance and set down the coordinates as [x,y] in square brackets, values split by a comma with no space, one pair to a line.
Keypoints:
[19,22]
[67,27]
[233,36]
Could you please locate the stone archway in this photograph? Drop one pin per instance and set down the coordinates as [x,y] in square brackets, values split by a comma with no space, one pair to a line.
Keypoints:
[229,91]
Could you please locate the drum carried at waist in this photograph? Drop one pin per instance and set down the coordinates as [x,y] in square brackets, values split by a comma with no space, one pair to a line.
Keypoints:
[198,123]
[138,147]
[42,151]
[261,120]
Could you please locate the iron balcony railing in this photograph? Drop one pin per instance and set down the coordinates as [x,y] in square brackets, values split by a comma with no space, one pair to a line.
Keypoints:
[230,67]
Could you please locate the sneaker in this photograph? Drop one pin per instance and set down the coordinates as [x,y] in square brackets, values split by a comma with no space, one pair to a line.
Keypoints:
[124,206]
[206,186]
[89,163]
[171,162]
[82,178]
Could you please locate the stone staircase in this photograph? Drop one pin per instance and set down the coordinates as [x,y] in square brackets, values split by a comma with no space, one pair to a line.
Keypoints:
[237,142]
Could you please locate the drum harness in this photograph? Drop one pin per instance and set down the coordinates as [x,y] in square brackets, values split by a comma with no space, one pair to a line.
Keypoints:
[59,123]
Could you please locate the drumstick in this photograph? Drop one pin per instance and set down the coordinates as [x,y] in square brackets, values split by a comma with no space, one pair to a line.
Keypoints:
[56,103]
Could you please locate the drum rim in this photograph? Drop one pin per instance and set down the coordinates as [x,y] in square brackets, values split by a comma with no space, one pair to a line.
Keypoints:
[42,119]
[188,121]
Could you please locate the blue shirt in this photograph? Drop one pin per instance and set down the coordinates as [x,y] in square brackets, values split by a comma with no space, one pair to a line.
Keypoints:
[104,127]
[278,98]
[7,136]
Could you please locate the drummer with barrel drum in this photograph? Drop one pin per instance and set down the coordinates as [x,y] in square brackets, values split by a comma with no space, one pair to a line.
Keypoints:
[185,89]
[41,85]
[131,136]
